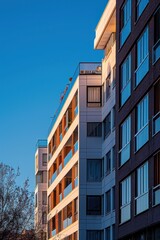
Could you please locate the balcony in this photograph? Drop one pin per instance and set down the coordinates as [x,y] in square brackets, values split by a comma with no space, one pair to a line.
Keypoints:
[76,111]
[60,168]
[76,182]
[53,178]
[124,154]
[142,203]
[67,222]
[84,68]
[156,195]
[110,43]
[125,92]
[142,137]
[68,157]
[142,70]
[41,143]
[76,147]
[156,123]
[68,189]
[156,51]
[125,32]
[53,232]
[125,212]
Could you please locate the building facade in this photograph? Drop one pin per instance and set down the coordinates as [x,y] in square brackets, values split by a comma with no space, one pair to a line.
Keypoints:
[41,190]
[138,120]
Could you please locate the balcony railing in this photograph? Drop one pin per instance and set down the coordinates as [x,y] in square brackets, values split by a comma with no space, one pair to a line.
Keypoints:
[68,189]
[60,168]
[67,222]
[60,197]
[124,154]
[53,178]
[82,69]
[110,43]
[125,32]
[125,92]
[53,232]
[76,182]
[76,111]
[141,137]
[142,203]
[60,137]
[41,143]
[156,195]
[156,123]
[142,70]
[68,157]
[125,212]
[76,147]
[156,51]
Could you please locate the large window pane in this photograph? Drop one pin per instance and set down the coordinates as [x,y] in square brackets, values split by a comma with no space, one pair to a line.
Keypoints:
[94,170]
[125,133]
[142,188]
[125,195]
[94,204]
[94,129]
[142,118]
[95,234]
[107,125]
[126,79]
[142,57]
[156,47]
[141,5]
[156,188]
[125,21]
[156,118]
[94,97]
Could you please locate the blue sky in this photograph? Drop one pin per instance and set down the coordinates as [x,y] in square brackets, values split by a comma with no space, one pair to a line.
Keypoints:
[41,44]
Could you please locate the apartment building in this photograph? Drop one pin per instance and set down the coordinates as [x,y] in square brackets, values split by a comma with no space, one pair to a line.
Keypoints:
[41,189]
[105,40]
[138,119]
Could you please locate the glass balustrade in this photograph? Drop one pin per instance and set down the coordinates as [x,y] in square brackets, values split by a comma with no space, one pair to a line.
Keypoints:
[156,123]
[60,197]
[53,232]
[76,147]
[142,203]
[156,51]
[125,212]
[142,137]
[125,32]
[68,189]
[76,182]
[76,111]
[53,177]
[156,195]
[60,137]
[142,70]
[67,158]
[60,168]
[67,222]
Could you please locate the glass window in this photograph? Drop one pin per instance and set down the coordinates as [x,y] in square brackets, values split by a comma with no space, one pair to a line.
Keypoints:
[44,198]
[156,47]
[125,196]
[113,232]
[44,218]
[94,205]
[126,79]
[108,86]
[156,188]
[108,233]
[44,159]
[107,125]
[125,21]
[141,5]
[108,202]
[113,198]
[125,138]
[113,117]
[94,129]
[108,162]
[142,118]
[142,188]
[114,77]
[142,57]
[156,118]
[113,158]
[94,96]
[94,170]
[95,234]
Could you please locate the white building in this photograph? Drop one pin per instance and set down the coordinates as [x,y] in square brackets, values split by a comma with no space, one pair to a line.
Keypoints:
[41,189]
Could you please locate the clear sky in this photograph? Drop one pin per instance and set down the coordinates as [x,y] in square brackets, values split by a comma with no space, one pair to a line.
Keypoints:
[41,44]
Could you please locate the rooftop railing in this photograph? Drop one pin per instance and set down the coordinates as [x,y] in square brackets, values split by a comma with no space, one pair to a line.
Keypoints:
[41,143]
[84,68]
